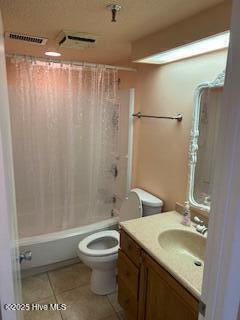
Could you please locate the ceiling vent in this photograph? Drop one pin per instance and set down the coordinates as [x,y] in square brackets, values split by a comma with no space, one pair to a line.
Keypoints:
[76,40]
[27,38]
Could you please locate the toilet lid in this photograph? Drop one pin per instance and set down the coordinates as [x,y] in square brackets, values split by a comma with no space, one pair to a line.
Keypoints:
[131,207]
[101,243]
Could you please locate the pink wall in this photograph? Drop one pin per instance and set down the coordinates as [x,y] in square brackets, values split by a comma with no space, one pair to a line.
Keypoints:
[160,163]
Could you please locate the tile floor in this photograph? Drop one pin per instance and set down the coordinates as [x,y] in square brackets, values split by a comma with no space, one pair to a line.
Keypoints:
[70,286]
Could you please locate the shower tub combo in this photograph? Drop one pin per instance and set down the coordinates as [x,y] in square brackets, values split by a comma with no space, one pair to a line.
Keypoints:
[72,144]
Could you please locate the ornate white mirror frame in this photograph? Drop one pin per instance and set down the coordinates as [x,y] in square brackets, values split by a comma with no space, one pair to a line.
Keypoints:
[193,147]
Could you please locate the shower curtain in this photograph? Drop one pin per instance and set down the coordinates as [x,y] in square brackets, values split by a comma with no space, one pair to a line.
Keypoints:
[64,122]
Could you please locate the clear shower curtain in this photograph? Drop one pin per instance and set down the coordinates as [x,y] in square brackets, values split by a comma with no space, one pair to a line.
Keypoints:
[65,140]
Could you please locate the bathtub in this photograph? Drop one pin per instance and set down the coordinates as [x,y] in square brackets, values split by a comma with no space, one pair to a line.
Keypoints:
[52,248]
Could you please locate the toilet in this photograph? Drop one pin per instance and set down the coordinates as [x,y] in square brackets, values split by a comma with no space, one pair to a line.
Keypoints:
[99,251]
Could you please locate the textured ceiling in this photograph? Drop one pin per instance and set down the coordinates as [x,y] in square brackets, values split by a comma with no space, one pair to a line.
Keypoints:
[137,19]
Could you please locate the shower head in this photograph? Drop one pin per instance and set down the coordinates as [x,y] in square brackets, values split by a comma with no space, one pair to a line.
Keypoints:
[114,8]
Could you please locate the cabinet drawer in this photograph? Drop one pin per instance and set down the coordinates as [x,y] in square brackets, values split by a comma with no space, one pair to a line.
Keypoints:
[130,248]
[127,300]
[128,273]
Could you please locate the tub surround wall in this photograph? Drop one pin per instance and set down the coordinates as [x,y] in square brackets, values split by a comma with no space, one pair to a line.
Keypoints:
[125,141]
[160,159]
[129,80]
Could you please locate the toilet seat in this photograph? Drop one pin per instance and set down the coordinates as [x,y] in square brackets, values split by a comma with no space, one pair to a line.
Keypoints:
[83,246]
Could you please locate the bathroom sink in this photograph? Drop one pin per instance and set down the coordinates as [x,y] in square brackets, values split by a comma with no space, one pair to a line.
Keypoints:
[181,242]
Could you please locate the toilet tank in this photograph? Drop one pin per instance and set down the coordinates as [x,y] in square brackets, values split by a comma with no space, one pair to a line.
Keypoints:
[150,204]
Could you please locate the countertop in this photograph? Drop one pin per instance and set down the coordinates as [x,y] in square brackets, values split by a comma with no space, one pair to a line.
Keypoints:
[145,231]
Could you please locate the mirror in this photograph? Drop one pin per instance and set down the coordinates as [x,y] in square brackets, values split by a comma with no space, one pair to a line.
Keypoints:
[206,116]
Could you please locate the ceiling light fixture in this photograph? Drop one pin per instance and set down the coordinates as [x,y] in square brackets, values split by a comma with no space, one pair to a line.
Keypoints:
[210,44]
[53,54]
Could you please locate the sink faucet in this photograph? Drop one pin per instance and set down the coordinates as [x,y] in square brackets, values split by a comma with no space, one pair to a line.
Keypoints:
[200,227]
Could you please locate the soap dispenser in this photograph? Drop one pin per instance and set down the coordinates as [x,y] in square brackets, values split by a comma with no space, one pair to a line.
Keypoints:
[186,221]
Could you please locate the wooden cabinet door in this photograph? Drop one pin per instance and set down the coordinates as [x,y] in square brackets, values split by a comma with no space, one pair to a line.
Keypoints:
[165,298]
[163,303]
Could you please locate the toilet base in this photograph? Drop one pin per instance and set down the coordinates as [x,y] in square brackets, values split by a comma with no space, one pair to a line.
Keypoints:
[103,281]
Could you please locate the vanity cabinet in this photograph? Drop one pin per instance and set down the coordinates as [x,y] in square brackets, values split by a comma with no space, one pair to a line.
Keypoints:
[146,291]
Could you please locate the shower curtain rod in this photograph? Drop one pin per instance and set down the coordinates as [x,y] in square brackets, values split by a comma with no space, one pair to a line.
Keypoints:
[76,63]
